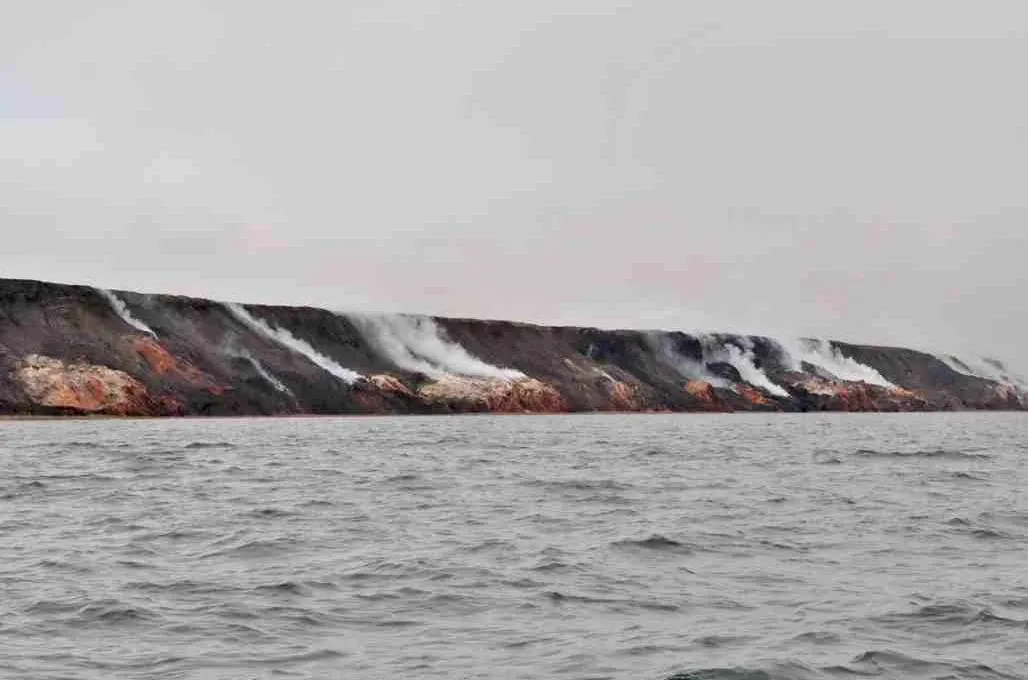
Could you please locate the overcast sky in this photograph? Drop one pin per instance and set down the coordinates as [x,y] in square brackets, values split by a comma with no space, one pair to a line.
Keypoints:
[855,170]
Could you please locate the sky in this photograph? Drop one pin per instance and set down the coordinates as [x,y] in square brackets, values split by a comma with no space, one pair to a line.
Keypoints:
[845,170]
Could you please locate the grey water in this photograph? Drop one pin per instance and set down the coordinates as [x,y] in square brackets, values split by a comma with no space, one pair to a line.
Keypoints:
[663,546]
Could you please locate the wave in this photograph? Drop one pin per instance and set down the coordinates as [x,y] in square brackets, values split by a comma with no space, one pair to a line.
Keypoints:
[890,663]
[416,343]
[654,542]
[929,453]
[209,445]
[581,484]
[285,588]
[188,586]
[290,341]
[552,565]
[818,637]
[559,597]
[62,565]
[989,534]
[267,513]
[872,663]
[111,613]
[960,613]
[721,674]
[253,549]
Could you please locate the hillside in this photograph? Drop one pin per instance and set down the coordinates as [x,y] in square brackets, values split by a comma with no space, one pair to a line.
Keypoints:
[77,350]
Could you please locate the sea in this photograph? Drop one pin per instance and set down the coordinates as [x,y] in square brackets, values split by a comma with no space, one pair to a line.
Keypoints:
[657,547]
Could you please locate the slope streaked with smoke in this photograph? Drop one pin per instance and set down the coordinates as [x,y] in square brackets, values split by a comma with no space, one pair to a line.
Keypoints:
[824,355]
[122,310]
[416,343]
[687,367]
[741,357]
[266,374]
[987,369]
[290,341]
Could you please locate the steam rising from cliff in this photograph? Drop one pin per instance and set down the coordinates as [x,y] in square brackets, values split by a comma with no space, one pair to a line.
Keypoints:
[744,362]
[416,343]
[287,339]
[741,357]
[686,366]
[119,306]
[987,369]
[827,357]
[264,373]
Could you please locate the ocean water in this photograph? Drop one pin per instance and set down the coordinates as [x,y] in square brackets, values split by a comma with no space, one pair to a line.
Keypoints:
[654,547]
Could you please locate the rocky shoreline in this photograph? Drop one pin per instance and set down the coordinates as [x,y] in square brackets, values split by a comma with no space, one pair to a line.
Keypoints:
[74,350]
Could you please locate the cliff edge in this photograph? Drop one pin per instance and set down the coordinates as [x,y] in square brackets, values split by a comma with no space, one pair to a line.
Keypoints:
[77,350]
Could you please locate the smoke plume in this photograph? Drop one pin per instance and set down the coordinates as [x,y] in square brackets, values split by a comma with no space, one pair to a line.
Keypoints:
[743,359]
[824,355]
[119,306]
[686,366]
[264,373]
[290,341]
[987,369]
[416,343]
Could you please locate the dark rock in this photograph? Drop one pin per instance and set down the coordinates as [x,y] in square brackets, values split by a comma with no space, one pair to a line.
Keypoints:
[65,350]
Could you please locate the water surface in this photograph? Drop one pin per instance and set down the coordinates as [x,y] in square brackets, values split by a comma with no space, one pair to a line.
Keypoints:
[689,546]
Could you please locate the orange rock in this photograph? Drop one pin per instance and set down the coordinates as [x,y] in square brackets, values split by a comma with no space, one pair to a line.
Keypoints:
[839,395]
[82,387]
[623,397]
[753,395]
[164,363]
[159,359]
[705,393]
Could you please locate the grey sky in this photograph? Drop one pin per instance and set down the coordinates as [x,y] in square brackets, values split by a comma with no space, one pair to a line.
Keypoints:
[851,170]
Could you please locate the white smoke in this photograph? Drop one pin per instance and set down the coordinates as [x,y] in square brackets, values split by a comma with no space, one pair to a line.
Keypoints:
[1002,372]
[742,359]
[687,367]
[827,357]
[987,369]
[416,344]
[122,310]
[287,339]
[264,373]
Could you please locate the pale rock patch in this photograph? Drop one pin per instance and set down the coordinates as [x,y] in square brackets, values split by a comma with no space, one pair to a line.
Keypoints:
[80,386]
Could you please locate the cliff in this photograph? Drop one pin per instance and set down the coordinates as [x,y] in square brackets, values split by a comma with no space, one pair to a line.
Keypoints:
[77,350]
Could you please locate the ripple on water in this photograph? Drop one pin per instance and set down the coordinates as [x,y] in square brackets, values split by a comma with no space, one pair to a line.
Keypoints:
[655,542]
[938,454]
[811,547]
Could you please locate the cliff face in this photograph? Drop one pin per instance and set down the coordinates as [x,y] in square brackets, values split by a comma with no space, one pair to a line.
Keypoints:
[75,350]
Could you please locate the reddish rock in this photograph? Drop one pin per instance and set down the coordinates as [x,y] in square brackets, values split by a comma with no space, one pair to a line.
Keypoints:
[836,395]
[199,366]
[624,397]
[707,395]
[163,363]
[753,395]
[83,388]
